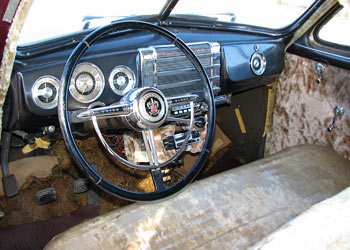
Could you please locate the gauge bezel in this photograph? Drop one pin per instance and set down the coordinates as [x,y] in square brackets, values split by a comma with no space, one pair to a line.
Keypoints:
[99,82]
[131,77]
[41,80]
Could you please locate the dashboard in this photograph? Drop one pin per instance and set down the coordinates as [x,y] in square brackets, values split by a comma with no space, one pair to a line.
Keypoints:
[234,62]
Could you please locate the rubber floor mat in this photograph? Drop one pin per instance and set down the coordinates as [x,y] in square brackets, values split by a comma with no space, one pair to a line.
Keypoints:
[37,234]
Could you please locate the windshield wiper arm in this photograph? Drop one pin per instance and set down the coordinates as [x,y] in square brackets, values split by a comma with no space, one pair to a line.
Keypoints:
[167,9]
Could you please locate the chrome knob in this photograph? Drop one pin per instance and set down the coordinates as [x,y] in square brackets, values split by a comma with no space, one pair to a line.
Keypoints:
[320,68]
[258,63]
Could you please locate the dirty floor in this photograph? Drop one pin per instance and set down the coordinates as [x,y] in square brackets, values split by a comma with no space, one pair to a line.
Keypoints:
[23,209]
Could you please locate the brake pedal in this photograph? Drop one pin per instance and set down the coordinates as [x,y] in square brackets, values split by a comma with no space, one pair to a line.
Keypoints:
[45,196]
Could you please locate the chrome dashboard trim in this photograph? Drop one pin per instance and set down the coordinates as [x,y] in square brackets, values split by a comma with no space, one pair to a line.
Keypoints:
[166,67]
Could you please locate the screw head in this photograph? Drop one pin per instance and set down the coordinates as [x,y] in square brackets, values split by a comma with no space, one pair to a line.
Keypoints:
[51,129]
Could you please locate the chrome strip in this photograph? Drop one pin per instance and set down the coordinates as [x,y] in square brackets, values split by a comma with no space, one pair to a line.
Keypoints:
[184,70]
[183,56]
[10,11]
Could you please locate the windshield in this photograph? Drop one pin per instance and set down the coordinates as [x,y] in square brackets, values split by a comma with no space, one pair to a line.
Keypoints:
[50,18]
[267,13]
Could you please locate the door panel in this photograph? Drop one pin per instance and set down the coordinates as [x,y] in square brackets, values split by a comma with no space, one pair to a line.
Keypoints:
[304,109]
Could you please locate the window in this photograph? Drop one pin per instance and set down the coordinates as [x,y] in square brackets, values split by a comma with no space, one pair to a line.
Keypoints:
[267,13]
[337,29]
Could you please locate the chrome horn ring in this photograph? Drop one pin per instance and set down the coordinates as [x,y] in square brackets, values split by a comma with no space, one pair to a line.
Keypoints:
[138,104]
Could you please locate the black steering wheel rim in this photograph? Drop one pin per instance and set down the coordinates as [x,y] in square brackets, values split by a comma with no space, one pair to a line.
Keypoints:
[63,114]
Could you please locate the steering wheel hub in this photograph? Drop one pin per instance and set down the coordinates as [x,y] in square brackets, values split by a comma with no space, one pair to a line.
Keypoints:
[149,108]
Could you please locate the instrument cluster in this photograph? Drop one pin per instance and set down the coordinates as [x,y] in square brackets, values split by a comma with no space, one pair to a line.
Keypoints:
[87,84]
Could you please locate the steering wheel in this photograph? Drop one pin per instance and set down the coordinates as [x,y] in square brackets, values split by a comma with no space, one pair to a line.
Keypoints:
[143,109]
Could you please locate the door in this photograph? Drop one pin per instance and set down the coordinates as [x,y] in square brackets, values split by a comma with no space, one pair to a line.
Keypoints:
[314,86]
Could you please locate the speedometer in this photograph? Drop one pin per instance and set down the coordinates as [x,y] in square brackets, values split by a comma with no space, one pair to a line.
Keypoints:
[87,83]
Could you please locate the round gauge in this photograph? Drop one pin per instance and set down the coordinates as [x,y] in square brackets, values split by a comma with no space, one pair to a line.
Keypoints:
[121,80]
[45,92]
[87,83]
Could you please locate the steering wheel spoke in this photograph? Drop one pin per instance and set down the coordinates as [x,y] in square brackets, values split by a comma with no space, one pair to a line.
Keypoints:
[150,145]
[111,111]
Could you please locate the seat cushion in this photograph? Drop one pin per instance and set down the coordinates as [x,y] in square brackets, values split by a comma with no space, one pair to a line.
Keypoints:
[325,225]
[234,209]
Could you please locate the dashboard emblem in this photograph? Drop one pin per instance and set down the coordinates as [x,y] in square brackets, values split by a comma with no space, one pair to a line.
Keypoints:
[153,106]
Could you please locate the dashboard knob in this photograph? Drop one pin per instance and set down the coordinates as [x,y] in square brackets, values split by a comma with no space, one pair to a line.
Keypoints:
[258,63]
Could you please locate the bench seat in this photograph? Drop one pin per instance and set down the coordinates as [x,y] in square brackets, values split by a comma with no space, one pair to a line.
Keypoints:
[232,210]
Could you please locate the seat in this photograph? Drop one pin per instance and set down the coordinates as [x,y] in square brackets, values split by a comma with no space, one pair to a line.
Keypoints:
[233,210]
[325,225]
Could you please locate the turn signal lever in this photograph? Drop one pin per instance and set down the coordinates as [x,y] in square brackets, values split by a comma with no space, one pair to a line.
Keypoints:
[338,111]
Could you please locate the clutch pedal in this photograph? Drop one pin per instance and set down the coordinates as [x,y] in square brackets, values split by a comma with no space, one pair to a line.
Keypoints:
[8,180]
